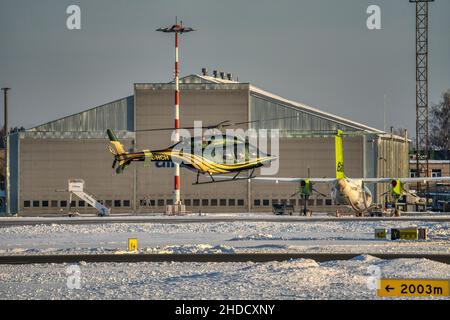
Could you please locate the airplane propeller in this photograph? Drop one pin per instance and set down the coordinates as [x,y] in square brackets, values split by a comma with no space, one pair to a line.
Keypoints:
[320,193]
[313,189]
[293,195]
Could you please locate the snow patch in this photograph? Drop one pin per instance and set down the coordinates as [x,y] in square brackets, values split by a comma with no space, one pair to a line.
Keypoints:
[295,279]
[292,265]
[365,258]
[198,249]
[257,236]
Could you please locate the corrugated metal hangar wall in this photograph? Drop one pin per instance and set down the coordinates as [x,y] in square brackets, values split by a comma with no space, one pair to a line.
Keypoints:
[43,158]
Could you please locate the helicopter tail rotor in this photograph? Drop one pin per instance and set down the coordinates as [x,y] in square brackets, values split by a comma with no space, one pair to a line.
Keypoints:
[117,150]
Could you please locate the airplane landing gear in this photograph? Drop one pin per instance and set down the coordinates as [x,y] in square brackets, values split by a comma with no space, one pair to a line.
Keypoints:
[305,212]
[359,214]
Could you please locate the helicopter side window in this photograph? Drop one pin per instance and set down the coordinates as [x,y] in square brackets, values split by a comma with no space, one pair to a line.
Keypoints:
[228,153]
[252,152]
[239,152]
[240,155]
[214,153]
[235,150]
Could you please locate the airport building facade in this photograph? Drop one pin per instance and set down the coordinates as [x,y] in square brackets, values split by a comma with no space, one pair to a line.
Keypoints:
[43,158]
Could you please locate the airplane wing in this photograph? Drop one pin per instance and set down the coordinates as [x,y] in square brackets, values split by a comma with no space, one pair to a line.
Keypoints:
[294,180]
[406,180]
[333,180]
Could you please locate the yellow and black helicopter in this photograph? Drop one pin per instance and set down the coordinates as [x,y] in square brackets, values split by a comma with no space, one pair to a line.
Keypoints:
[228,154]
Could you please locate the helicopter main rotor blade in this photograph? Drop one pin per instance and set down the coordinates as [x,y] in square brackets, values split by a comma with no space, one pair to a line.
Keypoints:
[228,123]
[162,129]
[223,124]
[262,120]
[214,126]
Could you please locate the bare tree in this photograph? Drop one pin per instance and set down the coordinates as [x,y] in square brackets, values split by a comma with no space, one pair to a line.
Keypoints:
[440,125]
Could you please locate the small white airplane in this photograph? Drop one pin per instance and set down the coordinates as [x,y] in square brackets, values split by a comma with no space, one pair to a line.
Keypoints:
[350,191]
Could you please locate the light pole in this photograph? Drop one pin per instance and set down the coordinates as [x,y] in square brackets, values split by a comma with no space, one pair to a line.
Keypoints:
[5,130]
[176,29]
[422,117]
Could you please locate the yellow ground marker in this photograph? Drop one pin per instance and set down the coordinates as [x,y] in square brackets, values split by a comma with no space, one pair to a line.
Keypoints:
[413,288]
[132,245]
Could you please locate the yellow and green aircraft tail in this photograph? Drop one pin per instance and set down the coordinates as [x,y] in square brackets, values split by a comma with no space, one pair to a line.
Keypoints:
[339,149]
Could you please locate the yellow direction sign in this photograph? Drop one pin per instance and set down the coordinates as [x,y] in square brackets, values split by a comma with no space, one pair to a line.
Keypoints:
[132,244]
[413,288]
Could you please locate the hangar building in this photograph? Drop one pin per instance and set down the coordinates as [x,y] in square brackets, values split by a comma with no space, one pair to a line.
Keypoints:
[43,158]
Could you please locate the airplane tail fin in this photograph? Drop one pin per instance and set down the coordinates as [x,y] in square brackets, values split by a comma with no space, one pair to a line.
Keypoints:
[117,149]
[339,150]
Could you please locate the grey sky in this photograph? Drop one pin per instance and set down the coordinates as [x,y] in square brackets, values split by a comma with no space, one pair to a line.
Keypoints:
[318,52]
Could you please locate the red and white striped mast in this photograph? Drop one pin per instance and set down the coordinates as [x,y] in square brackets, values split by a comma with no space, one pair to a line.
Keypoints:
[177,29]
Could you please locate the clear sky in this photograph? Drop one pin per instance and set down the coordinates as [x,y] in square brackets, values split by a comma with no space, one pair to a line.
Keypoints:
[318,52]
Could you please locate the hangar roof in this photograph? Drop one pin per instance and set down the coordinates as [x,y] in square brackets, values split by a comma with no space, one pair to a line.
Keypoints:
[92,123]
[297,105]
[119,114]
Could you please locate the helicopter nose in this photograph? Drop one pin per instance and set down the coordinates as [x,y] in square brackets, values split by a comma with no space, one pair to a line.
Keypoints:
[268,160]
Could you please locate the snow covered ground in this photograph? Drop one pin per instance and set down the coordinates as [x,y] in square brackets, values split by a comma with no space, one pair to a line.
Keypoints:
[224,237]
[296,279]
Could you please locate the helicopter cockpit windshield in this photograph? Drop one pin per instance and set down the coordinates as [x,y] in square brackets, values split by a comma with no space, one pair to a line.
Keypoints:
[221,148]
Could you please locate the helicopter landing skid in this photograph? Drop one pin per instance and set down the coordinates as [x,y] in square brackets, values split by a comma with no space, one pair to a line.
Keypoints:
[234,178]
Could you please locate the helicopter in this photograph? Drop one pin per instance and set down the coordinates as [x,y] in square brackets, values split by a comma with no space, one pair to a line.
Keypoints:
[217,154]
